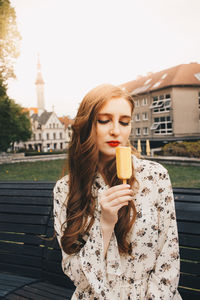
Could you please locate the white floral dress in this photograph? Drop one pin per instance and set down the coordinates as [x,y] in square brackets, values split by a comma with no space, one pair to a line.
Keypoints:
[154,272]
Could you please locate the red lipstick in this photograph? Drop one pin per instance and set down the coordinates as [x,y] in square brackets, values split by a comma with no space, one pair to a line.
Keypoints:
[113,143]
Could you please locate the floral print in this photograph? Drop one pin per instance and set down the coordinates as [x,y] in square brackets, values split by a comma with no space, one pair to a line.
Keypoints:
[152,272]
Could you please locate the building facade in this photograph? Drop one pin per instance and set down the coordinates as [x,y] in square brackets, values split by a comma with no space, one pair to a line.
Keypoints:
[50,133]
[167,105]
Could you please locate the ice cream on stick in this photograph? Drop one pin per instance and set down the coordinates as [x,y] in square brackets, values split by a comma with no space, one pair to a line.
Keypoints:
[124,163]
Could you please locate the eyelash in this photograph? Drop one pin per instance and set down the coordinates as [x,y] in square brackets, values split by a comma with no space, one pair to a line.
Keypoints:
[106,121]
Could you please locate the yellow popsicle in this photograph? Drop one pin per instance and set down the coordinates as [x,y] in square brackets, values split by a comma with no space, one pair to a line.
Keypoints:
[123,163]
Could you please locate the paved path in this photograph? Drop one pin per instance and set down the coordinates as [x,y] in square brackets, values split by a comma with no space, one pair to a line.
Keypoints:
[34,158]
[176,160]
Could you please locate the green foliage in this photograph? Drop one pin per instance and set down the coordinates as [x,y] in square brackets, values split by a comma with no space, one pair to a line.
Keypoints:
[14,123]
[188,149]
[9,40]
[35,153]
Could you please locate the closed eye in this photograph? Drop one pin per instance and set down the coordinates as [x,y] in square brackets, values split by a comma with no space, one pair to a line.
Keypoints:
[124,123]
[103,121]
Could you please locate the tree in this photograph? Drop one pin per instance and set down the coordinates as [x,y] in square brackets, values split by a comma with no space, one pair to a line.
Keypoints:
[14,123]
[9,40]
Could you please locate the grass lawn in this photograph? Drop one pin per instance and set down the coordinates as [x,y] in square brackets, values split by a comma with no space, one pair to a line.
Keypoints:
[184,176]
[32,171]
[181,176]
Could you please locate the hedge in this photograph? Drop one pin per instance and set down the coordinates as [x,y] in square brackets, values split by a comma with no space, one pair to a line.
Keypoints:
[188,149]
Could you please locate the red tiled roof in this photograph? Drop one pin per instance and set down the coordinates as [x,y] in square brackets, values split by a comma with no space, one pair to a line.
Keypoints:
[185,74]
[66,121]
[34,109]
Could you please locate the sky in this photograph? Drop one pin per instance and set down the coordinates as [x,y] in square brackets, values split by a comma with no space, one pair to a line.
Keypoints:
[82,44]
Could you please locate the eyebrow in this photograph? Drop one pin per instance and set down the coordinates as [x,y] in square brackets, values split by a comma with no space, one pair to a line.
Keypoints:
[110,115]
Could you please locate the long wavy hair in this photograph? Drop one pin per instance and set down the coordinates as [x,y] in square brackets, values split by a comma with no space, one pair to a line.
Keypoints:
[83,167]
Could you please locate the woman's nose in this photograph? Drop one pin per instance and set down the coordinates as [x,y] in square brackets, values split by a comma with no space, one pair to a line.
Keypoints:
[115,129]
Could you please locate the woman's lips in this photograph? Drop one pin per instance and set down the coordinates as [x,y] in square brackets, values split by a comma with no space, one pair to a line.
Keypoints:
[113,143]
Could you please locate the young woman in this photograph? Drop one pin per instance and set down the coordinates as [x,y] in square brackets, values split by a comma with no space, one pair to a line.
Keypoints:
[118,241]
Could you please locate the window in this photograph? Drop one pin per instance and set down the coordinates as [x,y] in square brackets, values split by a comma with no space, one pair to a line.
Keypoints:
[147,81]
[53,125]
[199,100]
[34,136]
[47,136]
[54,136]
[164,76]
[49,125]
[144,102]
[137,117]
[145,130]
[138,131]
[40,136]
[61,135]
[161,103]
[145,116]
[57,125]
[162,125]
[137,103]
[157,84]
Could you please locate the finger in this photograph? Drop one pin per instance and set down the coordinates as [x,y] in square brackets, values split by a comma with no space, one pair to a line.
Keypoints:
[116,188]
[117,208]
[118,194]
[121,200]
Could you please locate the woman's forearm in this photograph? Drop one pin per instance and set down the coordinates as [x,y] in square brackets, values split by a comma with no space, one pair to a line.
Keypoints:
[107,231]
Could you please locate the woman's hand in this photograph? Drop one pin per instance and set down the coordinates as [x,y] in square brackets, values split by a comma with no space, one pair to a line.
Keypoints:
[112,200]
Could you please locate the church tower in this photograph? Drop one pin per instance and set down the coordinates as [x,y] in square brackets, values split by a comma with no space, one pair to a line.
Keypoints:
[40,88]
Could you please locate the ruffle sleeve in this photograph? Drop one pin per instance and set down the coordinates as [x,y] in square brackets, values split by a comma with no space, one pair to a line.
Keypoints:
[163,281]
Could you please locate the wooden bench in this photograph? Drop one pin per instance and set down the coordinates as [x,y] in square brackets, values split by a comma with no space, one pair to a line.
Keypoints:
[30,267]
[187,203]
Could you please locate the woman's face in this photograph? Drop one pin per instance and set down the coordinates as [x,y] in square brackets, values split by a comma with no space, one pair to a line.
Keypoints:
[113,126]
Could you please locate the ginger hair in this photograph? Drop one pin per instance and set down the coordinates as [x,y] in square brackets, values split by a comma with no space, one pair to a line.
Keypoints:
[83,166]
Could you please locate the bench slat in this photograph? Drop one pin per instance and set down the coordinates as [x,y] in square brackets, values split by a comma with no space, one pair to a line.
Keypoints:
[27,193]
[26,200]
[25,209]
[192,241]
[26,185]
[36,291]
[193,216]
[54,289]
[190,254]
[21,260]
[190,267]
[32,250]
[188,294]
[188,227]
[190,281]
[26,219]
[19,238]
[22,270]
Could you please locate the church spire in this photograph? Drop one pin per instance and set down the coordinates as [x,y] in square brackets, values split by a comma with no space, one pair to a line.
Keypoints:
[39,86]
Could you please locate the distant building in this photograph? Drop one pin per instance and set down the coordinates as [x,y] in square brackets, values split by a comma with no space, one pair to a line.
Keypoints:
[167,105]
[49,131]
